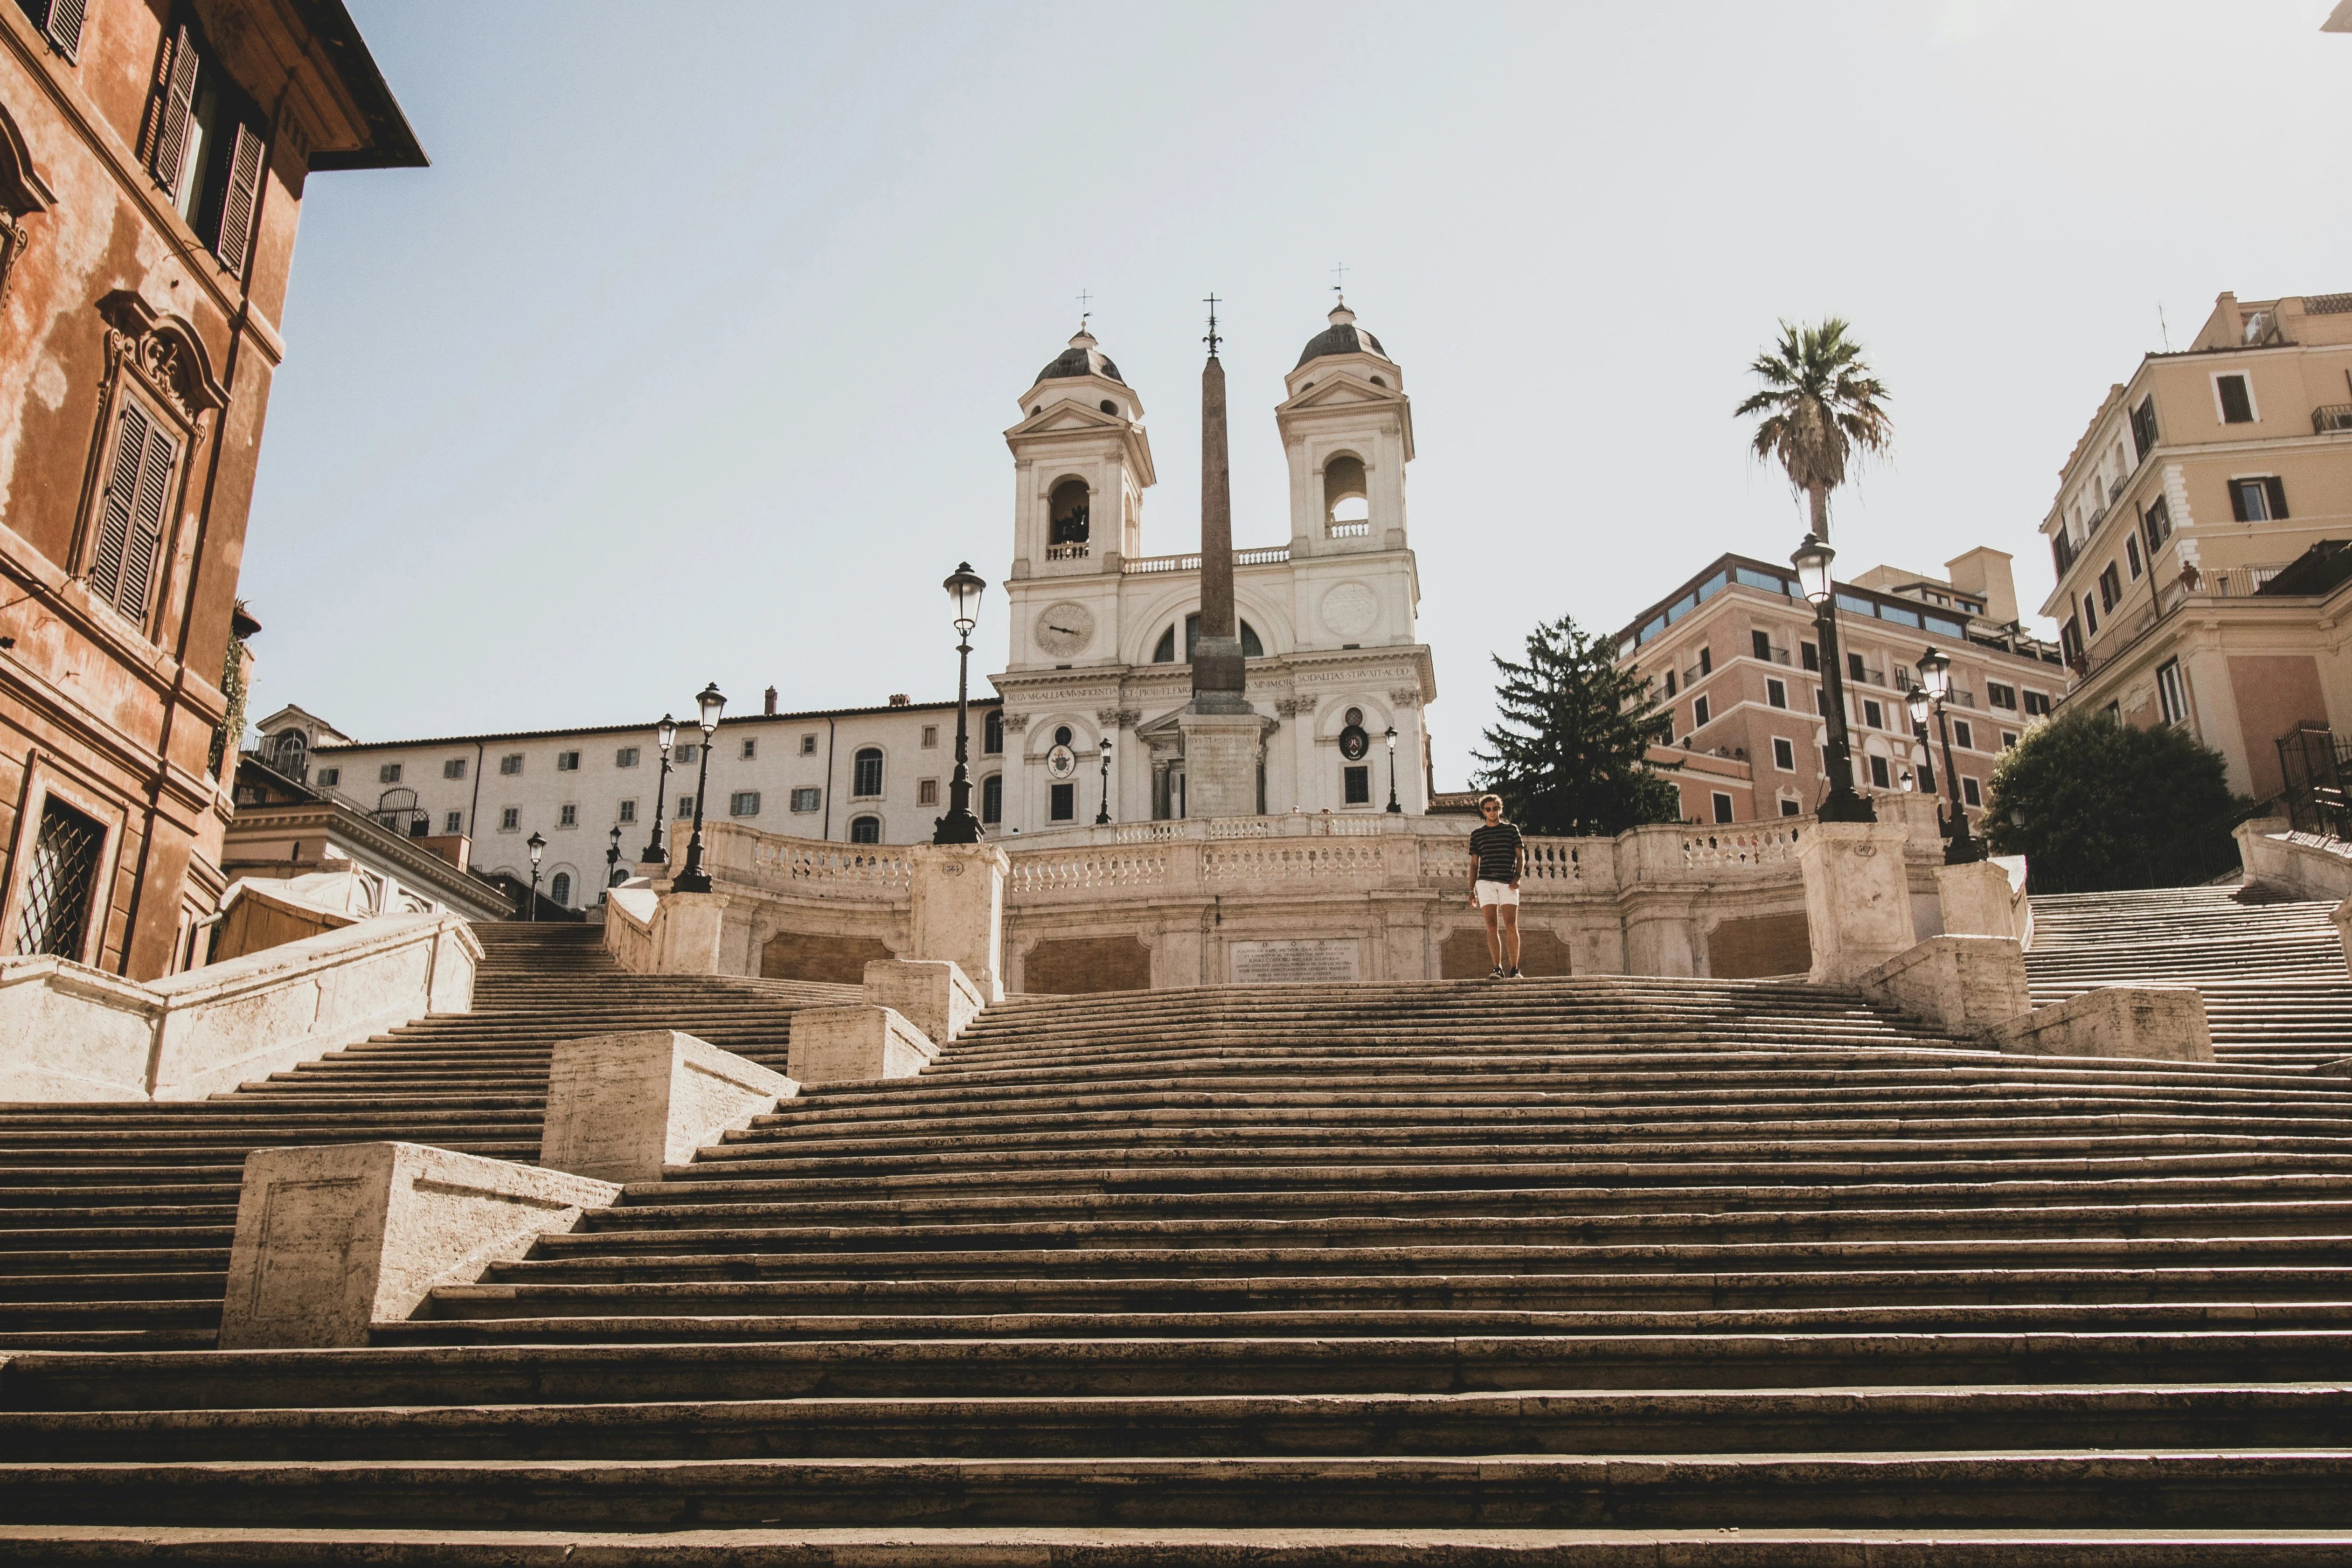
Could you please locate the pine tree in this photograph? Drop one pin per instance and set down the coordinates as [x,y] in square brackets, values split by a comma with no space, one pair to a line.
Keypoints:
[1569,756]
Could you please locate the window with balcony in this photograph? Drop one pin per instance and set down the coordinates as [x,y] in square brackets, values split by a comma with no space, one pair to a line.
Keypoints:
[1761,643]
[1812,656]
[2258,500]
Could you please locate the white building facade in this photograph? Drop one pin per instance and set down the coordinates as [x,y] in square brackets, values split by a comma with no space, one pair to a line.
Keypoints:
[1100,638]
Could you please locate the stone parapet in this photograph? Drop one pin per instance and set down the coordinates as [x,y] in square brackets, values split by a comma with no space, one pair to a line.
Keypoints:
[852,1045]
[2299,865]
[333,1240]
[958,911]
[2157,1023]
[620,1107]
[1986,898]
[1970,984]
[1857,897]
[69,1031]
[933,994]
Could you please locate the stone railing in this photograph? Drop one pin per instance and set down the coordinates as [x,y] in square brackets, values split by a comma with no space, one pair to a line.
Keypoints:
[69,1031]
[1261,863]
[1088,870]
[806,868]
[1730,844]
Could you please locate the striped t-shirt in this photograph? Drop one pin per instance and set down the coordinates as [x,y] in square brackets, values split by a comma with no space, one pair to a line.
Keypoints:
[1496,847]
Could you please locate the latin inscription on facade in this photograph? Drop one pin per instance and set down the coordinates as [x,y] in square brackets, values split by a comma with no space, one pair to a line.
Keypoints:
[1293,963]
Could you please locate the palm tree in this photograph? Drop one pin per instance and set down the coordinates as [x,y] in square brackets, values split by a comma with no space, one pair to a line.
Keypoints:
[1820,404]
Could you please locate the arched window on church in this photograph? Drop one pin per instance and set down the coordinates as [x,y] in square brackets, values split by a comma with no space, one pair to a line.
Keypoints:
[1347,505]
[991,799]
[991,733]
[1165,653]
[866,830]
[1068,510]
[560,889]
[867,776]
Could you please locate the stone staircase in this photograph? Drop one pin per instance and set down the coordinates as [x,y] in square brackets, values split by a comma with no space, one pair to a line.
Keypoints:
[2273,973]
[1604,1269]
[115,1219]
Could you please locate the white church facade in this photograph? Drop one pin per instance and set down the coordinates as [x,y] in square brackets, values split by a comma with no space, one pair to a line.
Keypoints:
[1101,631]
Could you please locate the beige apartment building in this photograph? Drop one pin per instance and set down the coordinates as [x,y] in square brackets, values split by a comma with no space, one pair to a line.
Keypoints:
[1734,655]
[2199,535]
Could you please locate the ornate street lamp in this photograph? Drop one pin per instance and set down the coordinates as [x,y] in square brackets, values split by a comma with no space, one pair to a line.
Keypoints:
[666,736]
[1960,846]
[538,846]
[1393,798]
[1103,817]
[1812,564]
[611,865]
[708,705]
[960,825]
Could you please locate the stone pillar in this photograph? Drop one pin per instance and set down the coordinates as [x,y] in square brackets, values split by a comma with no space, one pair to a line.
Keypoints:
[331,1240]
[933,994]
[1857,897]
[686,933]
[1221,762]
[854,1044]
[621,1107]
[958,914]
[1980,900]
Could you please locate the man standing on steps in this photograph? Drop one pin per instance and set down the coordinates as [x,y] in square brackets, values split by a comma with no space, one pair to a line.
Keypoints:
[1497,856]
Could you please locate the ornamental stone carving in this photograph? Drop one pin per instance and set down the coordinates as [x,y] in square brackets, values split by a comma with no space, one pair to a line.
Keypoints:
[1292,707]
[1015,722]
[162,353]
[1406,696]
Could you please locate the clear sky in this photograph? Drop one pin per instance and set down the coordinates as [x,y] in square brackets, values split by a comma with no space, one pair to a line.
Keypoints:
[689,357]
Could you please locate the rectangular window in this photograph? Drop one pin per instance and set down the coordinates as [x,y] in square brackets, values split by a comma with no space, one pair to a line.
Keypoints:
[2090,615]
[454,768]
[1357,785]
[808,745]
[1854,667]
[567,761]
[2237,402]
[1722,806]
[930,737]
[1927,776]
[2000,696]
[1969,792]
[627,757]
[329,778]
[510,764]
[2156,523]
[129,534]
[2037,704]
[510,819]
[744,803]
[684,806]
[1872,716]
[453,821]
[388,774]
[867,779]
[1821,704]
[1776,692]
[2258,500]
[1763,643]
[567,817]
[1878,774]
[2172,693]
[991,798]
[628,811]
[2131,555]
[808,798]
[1065,807]
[751,748]
[686,754]
[926,792]
[1698,714]
[1706,661]
[1962,736]
[1784,754]
[1813,655]
[1670,683]
[2111,587]
[2009,740]
[2143,424]
[61,882]
[204,144]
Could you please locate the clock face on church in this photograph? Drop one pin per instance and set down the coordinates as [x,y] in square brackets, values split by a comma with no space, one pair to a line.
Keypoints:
[1066,628]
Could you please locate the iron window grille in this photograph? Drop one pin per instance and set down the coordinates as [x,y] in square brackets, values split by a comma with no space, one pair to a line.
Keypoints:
[60,882]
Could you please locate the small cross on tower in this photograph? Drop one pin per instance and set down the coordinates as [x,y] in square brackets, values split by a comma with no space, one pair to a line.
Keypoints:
[1212,340]
[1084,300]
[1341,287]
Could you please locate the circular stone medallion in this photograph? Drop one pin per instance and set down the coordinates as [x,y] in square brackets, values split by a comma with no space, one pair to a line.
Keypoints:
[1351,608]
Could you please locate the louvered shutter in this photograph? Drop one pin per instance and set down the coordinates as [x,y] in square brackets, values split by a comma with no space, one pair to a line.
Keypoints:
[120,501]
[173,111]
[239,202]
[145,542]
[63,25]
[2238,502]
[2277,488]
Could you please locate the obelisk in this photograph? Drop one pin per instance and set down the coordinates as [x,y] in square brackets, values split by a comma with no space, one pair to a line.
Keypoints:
[1222,732]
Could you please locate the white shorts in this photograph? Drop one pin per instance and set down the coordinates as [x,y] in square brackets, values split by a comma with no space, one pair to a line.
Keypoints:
[1497,893]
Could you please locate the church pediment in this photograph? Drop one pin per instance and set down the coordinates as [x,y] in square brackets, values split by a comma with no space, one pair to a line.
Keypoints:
[1341,389]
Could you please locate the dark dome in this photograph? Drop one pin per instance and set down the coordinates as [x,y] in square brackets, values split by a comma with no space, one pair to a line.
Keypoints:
[1081,358]
[1341,337]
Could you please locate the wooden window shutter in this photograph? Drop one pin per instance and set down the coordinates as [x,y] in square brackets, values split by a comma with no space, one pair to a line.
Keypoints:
[146,541]
[2238,501]
[174,109]
[2277,488]
[241,200]
[120,500]
[61,24]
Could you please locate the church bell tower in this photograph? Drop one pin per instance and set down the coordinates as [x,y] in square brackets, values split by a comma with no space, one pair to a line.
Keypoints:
[1081,463]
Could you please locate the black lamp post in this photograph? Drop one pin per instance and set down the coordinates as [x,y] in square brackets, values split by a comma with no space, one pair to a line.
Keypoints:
[611,865]
[710,705]
[1812,564]
[1960,846]
[538,847]
[1393,798]
[666,736]
[960,825]
[1103,817]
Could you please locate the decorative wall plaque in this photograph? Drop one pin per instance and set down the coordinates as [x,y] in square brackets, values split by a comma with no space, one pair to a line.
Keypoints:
[1295,963]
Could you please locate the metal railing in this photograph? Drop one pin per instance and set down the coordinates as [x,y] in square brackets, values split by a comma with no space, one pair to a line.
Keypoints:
[2332,418]
[2314,768]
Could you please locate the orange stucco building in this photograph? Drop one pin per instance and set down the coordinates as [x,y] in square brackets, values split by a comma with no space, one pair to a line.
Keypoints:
[153,160]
